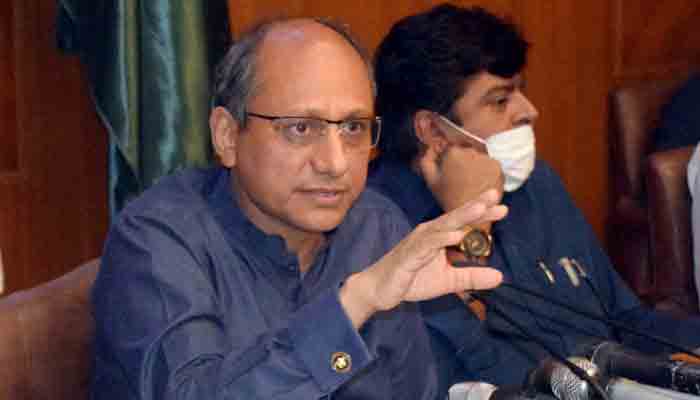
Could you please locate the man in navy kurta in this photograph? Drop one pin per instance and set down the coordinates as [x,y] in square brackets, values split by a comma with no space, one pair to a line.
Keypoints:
[275,276]
[456,122]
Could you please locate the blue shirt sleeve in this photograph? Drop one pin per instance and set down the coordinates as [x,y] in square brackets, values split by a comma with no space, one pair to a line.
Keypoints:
[158,316]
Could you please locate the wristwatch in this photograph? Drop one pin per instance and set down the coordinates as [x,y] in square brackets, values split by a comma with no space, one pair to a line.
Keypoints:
[476,244]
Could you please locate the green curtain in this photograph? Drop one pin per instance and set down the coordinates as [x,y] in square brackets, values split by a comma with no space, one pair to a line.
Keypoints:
[149,63]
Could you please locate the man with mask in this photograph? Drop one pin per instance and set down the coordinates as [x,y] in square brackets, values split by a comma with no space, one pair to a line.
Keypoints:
[456,122]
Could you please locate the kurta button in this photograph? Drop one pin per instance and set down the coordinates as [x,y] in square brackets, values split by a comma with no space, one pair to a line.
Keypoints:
[341,362]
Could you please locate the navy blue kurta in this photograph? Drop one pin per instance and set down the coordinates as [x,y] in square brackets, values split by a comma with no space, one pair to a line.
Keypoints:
[194,302]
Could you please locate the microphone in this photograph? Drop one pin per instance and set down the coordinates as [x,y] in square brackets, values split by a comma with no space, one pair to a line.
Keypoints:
[567,386]
[616,360]
[558,379]
[684,377]
[537,379]
[625,389]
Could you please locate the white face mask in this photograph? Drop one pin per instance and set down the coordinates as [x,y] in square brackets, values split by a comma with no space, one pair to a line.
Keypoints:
[514,149]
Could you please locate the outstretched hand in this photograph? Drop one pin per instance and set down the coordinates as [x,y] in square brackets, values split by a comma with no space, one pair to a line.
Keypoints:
[418,269]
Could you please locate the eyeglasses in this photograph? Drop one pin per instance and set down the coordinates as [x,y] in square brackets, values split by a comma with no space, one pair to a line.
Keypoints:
[357,133]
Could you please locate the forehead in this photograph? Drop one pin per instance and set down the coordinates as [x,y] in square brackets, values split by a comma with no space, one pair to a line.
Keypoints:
[309,66]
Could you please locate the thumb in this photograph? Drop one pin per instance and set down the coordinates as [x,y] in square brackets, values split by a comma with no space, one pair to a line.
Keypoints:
[429,167]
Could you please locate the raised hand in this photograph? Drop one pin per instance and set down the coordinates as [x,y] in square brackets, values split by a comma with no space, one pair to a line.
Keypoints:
[418,269]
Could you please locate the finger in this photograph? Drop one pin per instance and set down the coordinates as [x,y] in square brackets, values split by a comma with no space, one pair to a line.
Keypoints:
[495,213]
[428,243]
[424,244]
[492,211]
[456,219]
[428,164]
[481,209]
[489,197]
[476,278]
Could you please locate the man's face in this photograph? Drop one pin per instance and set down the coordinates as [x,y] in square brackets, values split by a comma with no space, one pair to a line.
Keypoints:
[492,104]
[307,71]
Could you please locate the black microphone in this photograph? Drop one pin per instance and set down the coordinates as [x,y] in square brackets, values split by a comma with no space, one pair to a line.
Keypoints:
[568,386]
[538,380]
[625,389]
[616,360]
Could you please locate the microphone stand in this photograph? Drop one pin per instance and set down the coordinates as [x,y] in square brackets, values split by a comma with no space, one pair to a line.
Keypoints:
[555,354]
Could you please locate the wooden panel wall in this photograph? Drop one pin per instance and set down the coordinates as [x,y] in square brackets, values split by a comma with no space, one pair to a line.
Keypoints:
[654,39]
[8,122]
[568,78]
[369,20]
[53,212]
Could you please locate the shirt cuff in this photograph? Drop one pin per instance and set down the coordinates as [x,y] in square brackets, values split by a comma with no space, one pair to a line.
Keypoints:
[327,343]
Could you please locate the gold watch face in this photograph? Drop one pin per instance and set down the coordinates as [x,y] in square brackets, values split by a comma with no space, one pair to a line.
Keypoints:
[476,243]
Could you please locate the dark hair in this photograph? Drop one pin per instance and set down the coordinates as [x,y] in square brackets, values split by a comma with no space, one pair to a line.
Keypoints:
[234,79]
[425,60]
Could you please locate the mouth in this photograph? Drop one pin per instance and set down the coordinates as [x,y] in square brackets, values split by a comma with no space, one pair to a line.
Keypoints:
[325,196]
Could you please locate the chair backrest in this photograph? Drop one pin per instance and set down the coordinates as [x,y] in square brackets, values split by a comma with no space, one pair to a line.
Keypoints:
[669,211]
[46,338]
[634,112]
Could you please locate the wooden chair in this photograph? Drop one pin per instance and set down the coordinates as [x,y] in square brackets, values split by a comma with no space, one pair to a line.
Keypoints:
[634,114]
[45,339]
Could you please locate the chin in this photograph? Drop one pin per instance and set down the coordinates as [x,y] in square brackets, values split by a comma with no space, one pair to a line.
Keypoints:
[322,222]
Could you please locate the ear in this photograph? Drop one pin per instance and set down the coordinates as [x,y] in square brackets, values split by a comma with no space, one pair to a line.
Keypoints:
[428,132]
[224,135]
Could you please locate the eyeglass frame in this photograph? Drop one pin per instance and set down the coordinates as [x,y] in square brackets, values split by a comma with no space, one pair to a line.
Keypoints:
[374,121]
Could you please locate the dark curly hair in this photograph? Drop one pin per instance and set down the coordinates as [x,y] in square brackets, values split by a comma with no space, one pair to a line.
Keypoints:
[424,61]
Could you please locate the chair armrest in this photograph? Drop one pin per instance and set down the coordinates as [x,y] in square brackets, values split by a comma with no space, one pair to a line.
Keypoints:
[668,201]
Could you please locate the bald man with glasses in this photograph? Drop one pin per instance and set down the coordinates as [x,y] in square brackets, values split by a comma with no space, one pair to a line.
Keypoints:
[276,275]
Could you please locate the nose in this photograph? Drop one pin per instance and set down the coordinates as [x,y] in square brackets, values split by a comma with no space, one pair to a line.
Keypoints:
[527,113]
[329,156]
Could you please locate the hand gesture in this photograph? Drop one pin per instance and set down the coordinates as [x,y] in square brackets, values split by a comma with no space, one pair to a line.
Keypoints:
[418,269]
